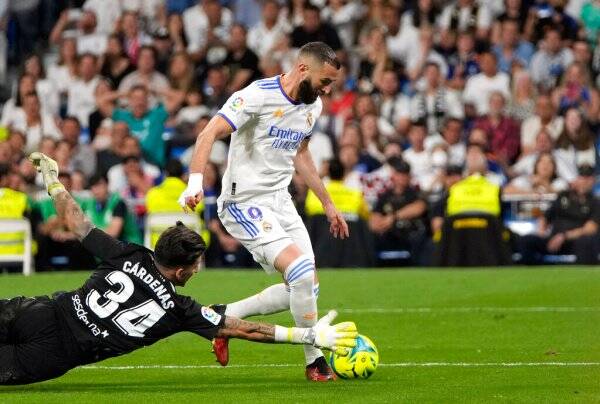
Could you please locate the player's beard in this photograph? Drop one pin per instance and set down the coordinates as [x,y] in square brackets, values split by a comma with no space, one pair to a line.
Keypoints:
[306,93]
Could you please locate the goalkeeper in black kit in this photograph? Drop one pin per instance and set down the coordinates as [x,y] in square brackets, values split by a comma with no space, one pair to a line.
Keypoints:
[129,302]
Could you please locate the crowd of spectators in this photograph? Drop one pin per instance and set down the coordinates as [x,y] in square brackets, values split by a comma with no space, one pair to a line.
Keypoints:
[429,93]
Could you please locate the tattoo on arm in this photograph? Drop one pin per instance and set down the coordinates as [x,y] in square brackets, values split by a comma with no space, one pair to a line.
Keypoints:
[237,328]
[69,210]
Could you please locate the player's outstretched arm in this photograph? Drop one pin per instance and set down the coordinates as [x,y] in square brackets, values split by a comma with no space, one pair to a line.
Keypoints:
[305,166]
[216,128]
[65,205]
[338,337]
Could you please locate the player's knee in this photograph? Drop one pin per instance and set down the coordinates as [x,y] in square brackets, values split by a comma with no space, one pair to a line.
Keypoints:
[300,273]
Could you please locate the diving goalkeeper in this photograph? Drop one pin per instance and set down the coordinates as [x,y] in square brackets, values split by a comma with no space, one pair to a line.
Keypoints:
[129,302]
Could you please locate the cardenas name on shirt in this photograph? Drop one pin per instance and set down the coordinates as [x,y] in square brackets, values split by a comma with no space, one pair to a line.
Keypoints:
[286,138]
[161,291]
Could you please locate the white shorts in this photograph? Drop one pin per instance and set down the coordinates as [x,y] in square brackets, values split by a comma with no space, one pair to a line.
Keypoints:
[266,226]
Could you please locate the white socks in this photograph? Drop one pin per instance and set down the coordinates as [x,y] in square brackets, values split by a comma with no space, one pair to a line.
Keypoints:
[300,297]
[273,299]
[300,276]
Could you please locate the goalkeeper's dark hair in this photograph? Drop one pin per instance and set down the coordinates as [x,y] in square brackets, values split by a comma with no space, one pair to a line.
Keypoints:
[179,246]
[321,52]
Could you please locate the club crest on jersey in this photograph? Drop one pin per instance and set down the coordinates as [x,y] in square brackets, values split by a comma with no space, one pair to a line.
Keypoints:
[236,104]
[255,213]
[211,315]
[278,113]
[309,119]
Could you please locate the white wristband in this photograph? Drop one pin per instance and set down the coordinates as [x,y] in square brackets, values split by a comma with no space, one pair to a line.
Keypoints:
[294,335]
[195,181]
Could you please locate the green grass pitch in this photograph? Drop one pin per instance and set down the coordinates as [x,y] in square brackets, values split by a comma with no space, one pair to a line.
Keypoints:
[508,335]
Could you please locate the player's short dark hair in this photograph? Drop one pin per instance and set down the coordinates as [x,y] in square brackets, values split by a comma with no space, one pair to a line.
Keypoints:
[179,246]
[174,168]
[321,52]
[336,170]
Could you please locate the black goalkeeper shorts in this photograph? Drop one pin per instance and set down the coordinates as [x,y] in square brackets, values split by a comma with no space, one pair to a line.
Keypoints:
[31,344]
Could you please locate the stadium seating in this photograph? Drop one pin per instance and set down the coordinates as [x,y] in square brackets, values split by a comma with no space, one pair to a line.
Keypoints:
[21,228]
[158,222]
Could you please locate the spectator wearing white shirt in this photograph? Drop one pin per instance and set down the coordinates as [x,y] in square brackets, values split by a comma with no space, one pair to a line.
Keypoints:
[343,15]
[321,150]
[550,62]
[12,109]
[465,15]
[117,180]
[435,102]
[417,61]
[89,39]
[480,86]
[107,13]
[416,155]
[451,140]
[393,106]
[265,36]
[205,25]
[402,41]
[576,142]
[565,168]
[43,86]
[544,179]
[64,70]
[81,100]
[546,119]
[34,123]
[153,12]
[145,74]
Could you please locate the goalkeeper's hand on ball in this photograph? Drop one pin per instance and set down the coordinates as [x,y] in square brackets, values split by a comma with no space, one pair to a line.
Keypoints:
[338,338]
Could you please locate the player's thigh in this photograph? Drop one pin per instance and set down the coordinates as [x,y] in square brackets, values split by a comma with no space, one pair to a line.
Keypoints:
[37,351]
[258,229]
[10,369]
[294,226]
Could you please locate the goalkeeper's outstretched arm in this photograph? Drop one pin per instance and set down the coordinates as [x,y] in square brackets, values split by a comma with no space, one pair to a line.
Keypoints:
[66,207]
[69,210]
[337,337]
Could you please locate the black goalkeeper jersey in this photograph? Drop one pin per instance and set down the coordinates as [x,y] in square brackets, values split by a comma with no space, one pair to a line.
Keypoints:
[127,304]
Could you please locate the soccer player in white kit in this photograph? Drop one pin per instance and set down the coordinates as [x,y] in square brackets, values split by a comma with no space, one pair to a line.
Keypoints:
[272,121]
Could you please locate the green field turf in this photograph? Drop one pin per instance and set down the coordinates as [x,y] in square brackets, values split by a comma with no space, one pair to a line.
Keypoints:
[510,335]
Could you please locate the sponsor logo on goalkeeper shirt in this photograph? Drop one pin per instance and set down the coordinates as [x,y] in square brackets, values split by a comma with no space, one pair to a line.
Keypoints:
[82,315]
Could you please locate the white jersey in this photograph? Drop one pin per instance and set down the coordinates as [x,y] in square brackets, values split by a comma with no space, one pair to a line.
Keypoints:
[268,129]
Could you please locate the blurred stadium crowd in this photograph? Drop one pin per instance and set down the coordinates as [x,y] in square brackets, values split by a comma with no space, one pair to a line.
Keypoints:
[496,97]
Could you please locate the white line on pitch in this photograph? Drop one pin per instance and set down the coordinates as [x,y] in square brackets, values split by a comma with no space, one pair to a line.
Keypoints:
[484,309]
[391,365]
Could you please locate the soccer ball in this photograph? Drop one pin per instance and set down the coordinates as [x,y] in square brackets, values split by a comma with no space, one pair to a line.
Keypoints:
[360,363]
